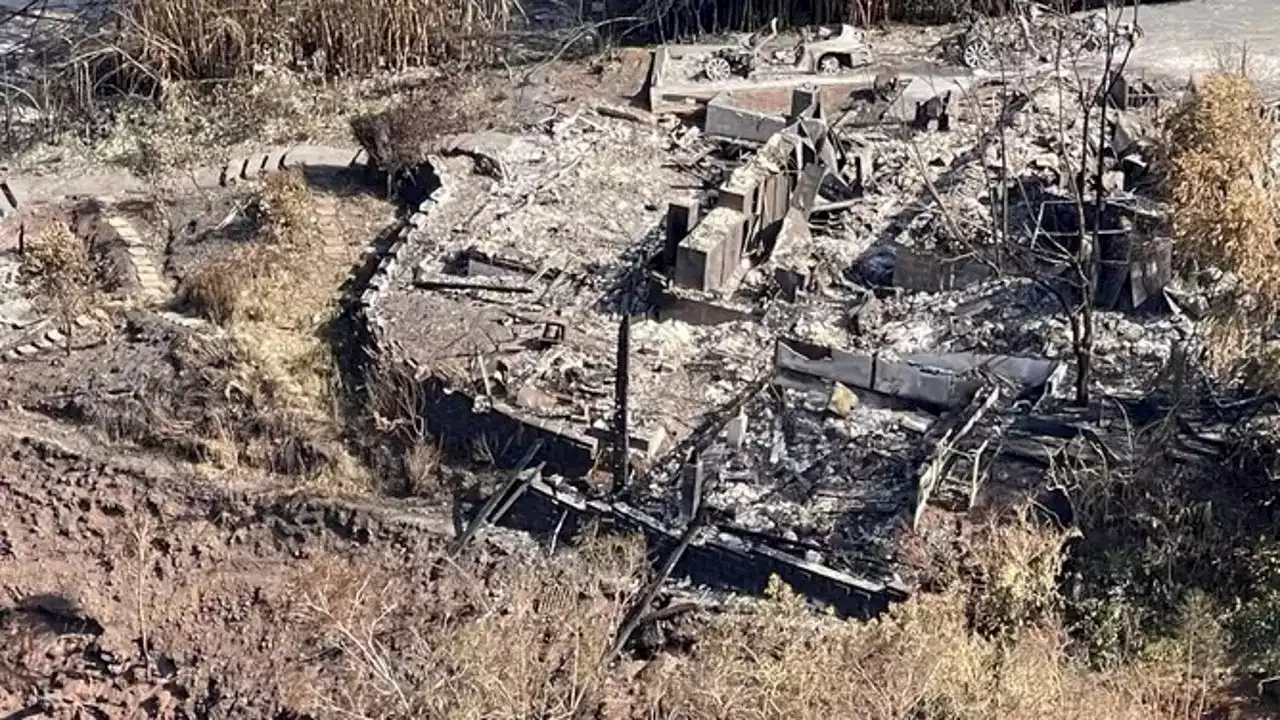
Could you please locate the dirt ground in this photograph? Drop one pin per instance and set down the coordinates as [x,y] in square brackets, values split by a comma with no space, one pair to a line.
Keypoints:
[133,590]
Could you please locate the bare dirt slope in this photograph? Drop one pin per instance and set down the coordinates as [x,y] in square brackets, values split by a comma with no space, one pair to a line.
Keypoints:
[133,591]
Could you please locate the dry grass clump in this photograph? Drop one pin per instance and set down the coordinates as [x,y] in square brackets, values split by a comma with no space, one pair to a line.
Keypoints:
[1224,214]
[276,296]
[55,264]
[220,39]
[922,661]
[1225,217]
[268,278]
[518,639]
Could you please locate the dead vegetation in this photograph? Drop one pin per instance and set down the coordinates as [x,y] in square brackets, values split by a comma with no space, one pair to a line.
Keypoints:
[275,295]
[56,265]
[511,640]
[1224,213]
[214,39]
[520,639]
[1225,218]
[399,138]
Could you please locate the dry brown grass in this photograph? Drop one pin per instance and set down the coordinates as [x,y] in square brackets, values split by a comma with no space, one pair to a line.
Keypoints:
[515,640]
[521,639]
[270,278]
[276,295]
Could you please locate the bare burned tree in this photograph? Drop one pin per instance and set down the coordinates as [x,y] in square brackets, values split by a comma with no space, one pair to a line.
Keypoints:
[1067,267]
[1095,100]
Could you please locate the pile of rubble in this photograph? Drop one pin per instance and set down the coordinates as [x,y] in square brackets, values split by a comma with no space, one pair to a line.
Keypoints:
[774,343]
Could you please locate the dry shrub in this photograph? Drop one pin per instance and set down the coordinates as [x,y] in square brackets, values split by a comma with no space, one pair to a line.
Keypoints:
[55,264]
[1013,571]
[398,138]
[1225,217]
[921,661]
[216,290]
[524,638]
[515,640]
[422,471]
[1223,212]
[218,39]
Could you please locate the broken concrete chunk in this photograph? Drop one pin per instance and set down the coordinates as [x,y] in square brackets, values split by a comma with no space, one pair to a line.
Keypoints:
[729,117]
[530,397]
[842,401]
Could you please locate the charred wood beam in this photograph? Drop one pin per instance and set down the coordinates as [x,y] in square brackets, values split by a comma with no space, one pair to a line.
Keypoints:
[516,478]
[945,434]
[622,383]
[638,611]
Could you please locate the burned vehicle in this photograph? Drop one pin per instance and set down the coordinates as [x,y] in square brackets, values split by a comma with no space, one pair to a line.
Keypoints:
[823,49]
[828,49]
[1032,33]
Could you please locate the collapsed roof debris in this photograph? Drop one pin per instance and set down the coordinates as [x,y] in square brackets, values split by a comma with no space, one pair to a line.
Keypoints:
[804,353]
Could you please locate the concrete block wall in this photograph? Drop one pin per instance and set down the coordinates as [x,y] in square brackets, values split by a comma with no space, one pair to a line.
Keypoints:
[754,201]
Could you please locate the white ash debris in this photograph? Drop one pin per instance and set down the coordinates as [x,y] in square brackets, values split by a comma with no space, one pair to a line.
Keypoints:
[804,475]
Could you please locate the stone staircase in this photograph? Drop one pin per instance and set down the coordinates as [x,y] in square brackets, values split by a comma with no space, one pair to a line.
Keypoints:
[153,287]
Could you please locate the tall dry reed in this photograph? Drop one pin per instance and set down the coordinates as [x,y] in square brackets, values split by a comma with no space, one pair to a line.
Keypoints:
[218,39]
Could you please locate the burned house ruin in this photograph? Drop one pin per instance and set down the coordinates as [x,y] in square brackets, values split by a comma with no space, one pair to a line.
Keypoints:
[701,362]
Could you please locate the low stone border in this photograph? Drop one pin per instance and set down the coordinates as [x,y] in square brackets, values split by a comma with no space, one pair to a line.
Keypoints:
[154,288]
[52,339]
[389,262]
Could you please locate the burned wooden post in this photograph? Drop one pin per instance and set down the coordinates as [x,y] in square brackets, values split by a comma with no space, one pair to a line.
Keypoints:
[622,382]
[691,488]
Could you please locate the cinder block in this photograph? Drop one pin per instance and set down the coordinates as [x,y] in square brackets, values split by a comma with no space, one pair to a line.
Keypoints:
[740,199]
[682,215]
